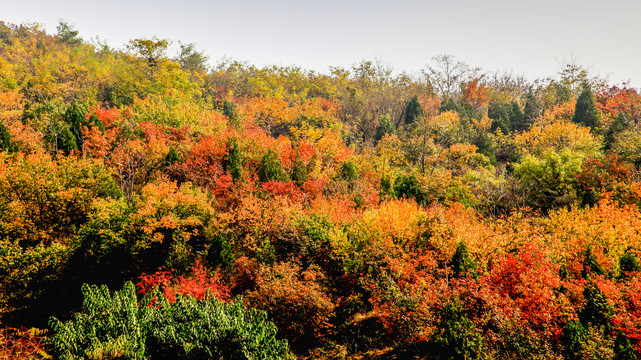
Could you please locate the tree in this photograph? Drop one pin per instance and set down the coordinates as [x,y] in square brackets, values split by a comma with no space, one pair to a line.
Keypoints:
[462,263]
[67,33]
[149,49]
[233,162]
[412,112]
[622,348]
[448,75]
[457,336]
[596,311]
[384,126]
[271,168]
[191,60]
[531,111]
[230,113]
[117,325]
[586,113]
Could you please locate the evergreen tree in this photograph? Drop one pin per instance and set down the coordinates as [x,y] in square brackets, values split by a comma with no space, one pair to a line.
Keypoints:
[271,168]
[409,187]
[172,156]
[619,125]
[384,126]
[348,171]
[586,112]
[67,141]
[76,119]
[590,264]
[5,139]
[230,113]
[596,311]
[517,118]
[233,161]
[530,112]
[623,349]
[500,115]
[462,263]
[573,339]
[299,170]
[413,111]
[457,336]
[628,263]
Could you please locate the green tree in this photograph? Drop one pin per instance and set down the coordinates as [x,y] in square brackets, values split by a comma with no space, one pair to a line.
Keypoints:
[230,113]
[68,34]
[409,187]
[116,325]
[628,262]
[233,161]
[271,168]
[596,311]
[591,264]
[586,112]
[191,60]
[299,170]
[517,117]
[462,263]
[573,339]
[457,336]
[384,126]
[348,171]
[531,111]
[5,139]
[413,110]
[622,348]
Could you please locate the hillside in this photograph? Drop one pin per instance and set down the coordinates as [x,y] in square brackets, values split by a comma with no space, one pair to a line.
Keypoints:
[236,212]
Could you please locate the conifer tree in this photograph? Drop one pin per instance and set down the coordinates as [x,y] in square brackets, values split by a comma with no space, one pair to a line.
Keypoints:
[586,112]
[5,139]
[233,161]
[517,118]
[384,126]
[596,311]
[413,111]
[462,263]
[299,170]
[230,113]
[622,348]
[531,111]
[271,168]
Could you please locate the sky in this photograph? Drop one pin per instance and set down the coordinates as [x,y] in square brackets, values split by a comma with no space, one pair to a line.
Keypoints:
[525,37]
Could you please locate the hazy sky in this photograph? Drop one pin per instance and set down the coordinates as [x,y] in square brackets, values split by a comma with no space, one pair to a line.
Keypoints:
[526,37]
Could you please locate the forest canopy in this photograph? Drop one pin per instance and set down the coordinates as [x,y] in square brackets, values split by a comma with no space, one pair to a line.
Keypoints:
[155,206]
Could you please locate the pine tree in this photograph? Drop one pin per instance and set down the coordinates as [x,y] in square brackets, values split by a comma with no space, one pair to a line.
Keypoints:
[299,170]
[628,263]
[462,263]
[517,118]
[596,311]
[271,168]
[530,112]
[590,264]
[233,161]
[5,139]
[76,119]
[230,113]
[384,126]
[573,339]
[457,336]
[623,349]
[413,111]
[586,112]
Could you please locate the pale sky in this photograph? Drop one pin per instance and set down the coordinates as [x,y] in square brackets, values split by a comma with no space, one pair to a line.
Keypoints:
[532,37]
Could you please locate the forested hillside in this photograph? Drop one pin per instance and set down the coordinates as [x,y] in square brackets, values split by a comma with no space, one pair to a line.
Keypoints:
[153,206]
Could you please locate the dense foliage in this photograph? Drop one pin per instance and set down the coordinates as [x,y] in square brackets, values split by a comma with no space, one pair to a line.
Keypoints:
[275,212]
